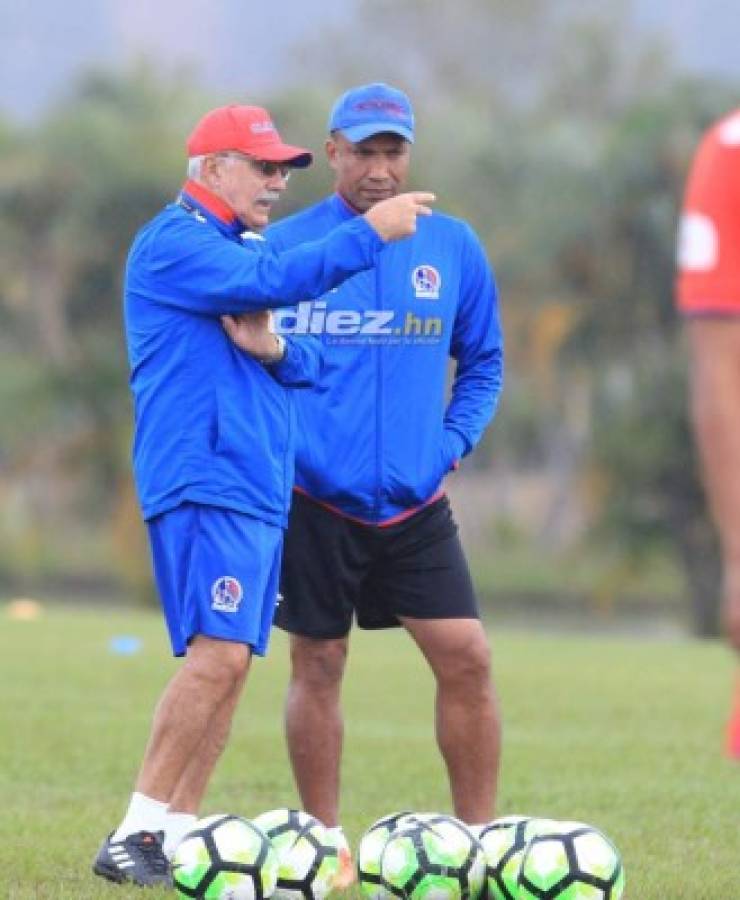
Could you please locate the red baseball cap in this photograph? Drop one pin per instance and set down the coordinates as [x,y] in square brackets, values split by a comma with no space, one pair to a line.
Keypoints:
[247,129]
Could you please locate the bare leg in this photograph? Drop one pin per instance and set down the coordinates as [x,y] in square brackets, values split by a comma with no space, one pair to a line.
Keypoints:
[313,723]
[203,687]
[467,720]
[715,388]
[191,787]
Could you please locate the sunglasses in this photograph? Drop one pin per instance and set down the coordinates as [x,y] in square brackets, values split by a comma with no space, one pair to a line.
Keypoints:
[263,167]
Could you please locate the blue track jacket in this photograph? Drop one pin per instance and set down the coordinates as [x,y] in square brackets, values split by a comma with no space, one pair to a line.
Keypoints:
[212,425]
[375,434]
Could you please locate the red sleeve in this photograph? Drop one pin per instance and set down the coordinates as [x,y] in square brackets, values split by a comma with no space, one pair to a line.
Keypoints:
[709,231]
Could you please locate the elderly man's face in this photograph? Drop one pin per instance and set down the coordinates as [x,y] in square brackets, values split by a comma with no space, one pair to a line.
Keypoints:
[371,170]
[250,187]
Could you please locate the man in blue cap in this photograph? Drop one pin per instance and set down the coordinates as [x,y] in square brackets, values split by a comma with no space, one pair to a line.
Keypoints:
[371,534]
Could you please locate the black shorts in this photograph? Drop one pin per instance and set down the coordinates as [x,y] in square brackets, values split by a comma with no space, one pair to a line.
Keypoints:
[334,567]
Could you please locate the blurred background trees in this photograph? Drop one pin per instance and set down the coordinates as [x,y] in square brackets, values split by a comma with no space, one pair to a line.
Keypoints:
[562,136]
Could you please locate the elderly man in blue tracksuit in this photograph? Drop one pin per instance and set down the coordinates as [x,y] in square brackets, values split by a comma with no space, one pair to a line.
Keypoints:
[371,533]
[213,442]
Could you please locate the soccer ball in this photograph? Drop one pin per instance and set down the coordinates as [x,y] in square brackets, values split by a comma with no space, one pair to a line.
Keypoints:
[307,857]
[435,859]
[369,851]
[417,818]
[504,843]
[571,861]
[225,858]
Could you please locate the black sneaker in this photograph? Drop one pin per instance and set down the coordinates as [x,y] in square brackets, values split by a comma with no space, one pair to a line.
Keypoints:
[139,858]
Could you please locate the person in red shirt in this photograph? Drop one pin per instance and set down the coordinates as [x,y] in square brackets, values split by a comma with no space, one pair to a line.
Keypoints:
[708,297]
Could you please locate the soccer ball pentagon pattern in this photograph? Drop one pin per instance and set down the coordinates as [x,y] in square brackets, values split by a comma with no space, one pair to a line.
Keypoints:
[225,858]
[571,861]
[369,851]
[307,857]
[504,843]
[435,859]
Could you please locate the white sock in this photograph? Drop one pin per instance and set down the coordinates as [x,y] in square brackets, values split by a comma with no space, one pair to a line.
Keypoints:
[338,837]
[176,827]
[143,814]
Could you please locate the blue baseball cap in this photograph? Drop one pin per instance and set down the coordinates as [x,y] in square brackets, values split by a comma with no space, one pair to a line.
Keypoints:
[372,109]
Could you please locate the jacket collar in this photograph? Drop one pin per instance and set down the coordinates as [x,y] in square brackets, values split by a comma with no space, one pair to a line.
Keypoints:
[343,208]
[216,210]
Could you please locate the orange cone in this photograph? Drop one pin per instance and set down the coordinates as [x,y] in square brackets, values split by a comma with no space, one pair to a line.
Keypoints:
[732,746]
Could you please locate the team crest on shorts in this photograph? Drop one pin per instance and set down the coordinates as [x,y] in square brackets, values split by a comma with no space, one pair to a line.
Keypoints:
[427,282]
[226,594]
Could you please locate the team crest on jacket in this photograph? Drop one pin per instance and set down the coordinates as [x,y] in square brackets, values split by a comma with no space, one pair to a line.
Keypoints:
[226,594]
[427,282]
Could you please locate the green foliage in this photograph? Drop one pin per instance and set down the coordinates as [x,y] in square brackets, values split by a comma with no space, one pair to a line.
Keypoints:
[652,497]
[73,190]
[643,444]
[561,137]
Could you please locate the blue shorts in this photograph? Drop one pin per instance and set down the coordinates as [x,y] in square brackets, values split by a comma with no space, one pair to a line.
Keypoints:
[217,573]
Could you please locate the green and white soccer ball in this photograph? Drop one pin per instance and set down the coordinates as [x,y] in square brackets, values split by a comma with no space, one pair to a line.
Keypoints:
[225,858]
[369,851]
[571,861]
[307,857]
[436,859]
[505,842]
[425,818]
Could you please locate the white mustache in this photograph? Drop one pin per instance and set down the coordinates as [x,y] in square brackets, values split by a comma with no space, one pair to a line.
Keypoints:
[269,197]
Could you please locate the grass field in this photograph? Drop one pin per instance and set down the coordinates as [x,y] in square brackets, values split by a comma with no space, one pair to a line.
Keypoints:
[622,733]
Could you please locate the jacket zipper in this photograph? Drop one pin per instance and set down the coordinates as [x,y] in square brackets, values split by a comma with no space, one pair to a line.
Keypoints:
[288,487]
[378,406]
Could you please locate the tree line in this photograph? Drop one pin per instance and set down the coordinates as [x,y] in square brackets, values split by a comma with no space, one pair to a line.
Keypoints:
[566,145]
